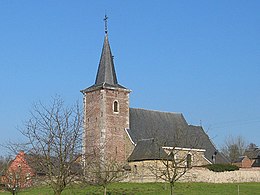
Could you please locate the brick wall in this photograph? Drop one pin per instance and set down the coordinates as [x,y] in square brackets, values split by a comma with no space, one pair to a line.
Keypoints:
[245,163]
[105,128]
[19,173]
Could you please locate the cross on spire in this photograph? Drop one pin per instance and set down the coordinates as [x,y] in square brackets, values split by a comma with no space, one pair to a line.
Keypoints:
[105,19]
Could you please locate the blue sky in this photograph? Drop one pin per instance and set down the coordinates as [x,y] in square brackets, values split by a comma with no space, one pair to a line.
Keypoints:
[200,58]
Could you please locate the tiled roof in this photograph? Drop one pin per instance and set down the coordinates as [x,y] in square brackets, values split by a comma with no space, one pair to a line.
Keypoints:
[239,159]
[147,149]
[252,153]
[170,129]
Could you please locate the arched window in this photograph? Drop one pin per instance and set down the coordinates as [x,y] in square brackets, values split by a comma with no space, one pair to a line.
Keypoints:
[135,168]
[189,160]
[116,106]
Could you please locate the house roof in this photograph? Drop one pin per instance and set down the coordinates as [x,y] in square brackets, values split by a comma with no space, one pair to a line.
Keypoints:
[170,129]
[256,163]
[252,153]
[38,163]
[239,159]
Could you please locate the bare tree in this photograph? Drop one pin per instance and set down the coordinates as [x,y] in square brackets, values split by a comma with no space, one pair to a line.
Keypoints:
[54,135]
[102,167]
[4,161]
[17,174]
[234,147]
[172,166]
[14,179]
[251,146]
[104,172]
[11,180]
[176,160]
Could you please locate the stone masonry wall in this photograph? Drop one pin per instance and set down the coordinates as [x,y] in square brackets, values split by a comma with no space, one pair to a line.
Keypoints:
[198,174]
[239,176]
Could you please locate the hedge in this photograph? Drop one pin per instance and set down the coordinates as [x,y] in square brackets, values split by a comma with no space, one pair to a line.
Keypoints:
[221,167]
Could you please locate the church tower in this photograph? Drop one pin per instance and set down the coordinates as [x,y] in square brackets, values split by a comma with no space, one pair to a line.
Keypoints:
[106,111]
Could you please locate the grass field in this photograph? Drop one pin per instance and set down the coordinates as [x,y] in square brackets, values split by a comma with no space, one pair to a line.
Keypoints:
[153,189]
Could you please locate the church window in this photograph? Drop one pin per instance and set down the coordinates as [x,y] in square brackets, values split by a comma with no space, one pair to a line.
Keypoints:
[189,160]
[115,106]
[135,168]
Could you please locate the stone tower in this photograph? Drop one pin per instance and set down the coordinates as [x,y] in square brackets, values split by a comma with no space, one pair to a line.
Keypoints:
[106,112]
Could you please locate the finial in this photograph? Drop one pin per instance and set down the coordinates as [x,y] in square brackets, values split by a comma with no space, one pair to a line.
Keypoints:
[105,19]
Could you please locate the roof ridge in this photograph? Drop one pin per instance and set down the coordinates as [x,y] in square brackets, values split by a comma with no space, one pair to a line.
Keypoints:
[157,111]
[195,125]
[147,139]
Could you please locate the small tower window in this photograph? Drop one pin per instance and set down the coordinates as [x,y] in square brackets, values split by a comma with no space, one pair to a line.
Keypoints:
[116,107]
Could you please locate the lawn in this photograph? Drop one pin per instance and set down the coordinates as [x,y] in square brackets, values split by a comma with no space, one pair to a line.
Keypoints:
[153,189]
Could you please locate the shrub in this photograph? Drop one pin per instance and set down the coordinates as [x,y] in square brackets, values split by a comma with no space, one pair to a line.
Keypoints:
[221,167]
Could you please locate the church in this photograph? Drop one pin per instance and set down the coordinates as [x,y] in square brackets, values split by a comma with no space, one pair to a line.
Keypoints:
[127,135]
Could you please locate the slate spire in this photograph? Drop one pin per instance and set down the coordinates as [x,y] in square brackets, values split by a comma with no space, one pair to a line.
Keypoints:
[106,74]
[106,70]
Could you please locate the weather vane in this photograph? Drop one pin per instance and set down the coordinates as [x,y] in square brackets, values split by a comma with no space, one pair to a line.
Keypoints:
[105,19]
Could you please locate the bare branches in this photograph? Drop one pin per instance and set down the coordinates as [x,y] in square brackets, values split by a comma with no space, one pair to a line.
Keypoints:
[54,135]
[234,147]
[101,169]
[103,172]
[178,157]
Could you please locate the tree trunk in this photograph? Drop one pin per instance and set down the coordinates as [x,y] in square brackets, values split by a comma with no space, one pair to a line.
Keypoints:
[58,192]
[105,190]
[171,185]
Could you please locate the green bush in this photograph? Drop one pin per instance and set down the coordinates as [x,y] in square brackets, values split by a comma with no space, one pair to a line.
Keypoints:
[222,167]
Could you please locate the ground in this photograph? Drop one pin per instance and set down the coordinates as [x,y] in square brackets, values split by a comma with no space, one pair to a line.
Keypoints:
[154,189]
